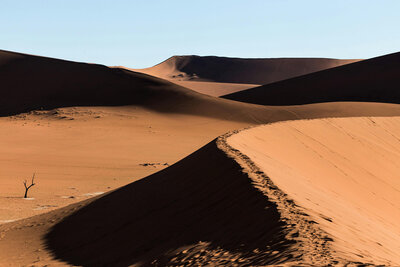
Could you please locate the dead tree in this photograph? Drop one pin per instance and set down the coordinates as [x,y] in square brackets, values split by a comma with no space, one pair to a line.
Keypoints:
[28,187]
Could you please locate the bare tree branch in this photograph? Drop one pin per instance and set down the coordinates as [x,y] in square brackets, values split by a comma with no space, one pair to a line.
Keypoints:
[28,187]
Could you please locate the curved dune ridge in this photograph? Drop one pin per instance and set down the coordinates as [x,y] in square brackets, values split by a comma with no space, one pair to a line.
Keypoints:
[223,75]
[343,173]
[372,80]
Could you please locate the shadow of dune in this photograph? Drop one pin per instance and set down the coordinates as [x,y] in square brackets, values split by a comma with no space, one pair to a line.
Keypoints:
[203,198]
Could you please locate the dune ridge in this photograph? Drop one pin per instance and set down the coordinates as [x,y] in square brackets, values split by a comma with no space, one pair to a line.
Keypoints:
[342,172]
[227,222]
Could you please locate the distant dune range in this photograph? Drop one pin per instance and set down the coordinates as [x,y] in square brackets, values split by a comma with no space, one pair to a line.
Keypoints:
[211,207]
[217,76]
[33,83]
[372,80]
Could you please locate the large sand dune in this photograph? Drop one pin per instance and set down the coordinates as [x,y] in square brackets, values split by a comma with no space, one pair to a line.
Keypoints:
[343,173]
[372,80]
[218,207]
[218,76]
[79,151]
[32,83]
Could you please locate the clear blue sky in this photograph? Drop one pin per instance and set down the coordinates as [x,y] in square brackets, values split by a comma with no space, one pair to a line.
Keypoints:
[143,33]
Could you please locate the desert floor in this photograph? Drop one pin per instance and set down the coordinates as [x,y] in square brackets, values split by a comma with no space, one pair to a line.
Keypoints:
[80,152]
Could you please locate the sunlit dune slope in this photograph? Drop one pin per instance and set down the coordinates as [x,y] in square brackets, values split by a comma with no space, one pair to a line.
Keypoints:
[372,80]
[344,173]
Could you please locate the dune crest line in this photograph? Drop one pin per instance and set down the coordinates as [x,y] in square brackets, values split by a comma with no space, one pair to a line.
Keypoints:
[313,242]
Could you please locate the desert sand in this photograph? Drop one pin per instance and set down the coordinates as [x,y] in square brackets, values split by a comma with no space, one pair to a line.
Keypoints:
[342,173]
[118,183]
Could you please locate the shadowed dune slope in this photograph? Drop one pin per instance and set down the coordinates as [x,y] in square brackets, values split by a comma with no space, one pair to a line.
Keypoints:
[344,173]
[32,82]
[239,70]
[202,209]
[373,80]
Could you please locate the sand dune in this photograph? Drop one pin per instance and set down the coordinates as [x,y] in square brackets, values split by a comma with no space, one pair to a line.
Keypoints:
[79,150]
[102,128]
[33,83]
[372,80]
[344,173]
[239,70]
[219,76]
[230,213]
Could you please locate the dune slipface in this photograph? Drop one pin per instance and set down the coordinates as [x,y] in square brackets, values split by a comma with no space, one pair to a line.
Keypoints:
[343,173]
[372,80]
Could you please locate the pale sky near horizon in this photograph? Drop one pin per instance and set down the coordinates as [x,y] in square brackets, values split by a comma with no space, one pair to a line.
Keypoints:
[143,33]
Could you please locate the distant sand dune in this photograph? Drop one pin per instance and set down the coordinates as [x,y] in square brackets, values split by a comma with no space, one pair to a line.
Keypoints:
[218,76]
[239,70]
[372,80]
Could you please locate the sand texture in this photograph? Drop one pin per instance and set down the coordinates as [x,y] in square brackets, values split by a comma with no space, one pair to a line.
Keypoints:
[342,173]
